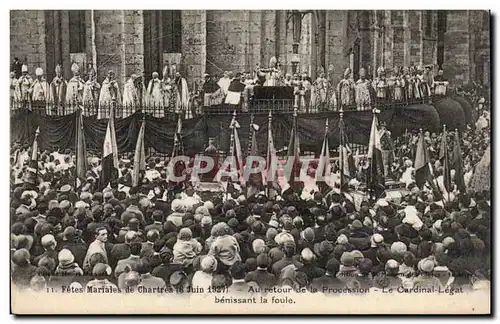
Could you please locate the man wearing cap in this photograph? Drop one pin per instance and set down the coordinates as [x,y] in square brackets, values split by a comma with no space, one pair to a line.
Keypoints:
[329,282]
[75,244]
[23,271]
[49,244]
[39,90]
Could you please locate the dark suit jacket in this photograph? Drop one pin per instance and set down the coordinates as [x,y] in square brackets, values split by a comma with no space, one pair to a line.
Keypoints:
[323,283]
[120,251]
[262,278]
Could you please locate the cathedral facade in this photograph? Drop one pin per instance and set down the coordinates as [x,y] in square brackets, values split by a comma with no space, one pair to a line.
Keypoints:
[214,41]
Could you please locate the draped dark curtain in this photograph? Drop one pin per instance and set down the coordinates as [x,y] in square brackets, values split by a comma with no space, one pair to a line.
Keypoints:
[59,132]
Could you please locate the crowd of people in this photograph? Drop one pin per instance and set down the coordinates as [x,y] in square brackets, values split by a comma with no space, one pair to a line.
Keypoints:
[78,236]
[171,92]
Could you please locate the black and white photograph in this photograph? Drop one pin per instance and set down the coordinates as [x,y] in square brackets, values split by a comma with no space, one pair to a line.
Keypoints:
[250,161]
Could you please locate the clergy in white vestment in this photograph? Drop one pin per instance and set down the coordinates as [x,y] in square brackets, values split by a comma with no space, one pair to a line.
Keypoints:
[110,93]
[130,97]
[74,90]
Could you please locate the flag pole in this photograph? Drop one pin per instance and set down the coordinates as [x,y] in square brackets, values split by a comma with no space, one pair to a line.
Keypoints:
[76,143]
[269,155]
[448,178]
[341,151]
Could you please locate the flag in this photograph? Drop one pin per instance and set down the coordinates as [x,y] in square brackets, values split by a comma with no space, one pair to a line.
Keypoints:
[422,167]
[294,151]
[81,149]
[323,171]
[254,179]
[456,163]
[234,92]
[271,163]
[443,158]
[376,181]
[34,151]
[139,156]
[237,152]
[178,147]
[109,153]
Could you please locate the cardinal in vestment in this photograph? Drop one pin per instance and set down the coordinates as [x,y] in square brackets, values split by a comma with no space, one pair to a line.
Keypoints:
[110,94]
[155,97]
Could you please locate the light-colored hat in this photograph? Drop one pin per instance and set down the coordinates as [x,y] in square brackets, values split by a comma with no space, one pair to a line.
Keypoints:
[58,69]
[65,257]
[24,68]
[376,239]
[307,254]
[75,68]
[208,263]
[39,71]
[48,239]
[392,264]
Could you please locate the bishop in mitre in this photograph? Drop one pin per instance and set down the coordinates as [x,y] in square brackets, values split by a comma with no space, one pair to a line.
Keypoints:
[39,90]
[74,92]
[91,94]
[182,96]
[57,95]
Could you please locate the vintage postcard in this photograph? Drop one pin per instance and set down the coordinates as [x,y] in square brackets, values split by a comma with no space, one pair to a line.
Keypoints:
[250,162]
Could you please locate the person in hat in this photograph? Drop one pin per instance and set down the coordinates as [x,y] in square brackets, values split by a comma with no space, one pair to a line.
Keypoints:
[16,68]
[225,248]
[149,281]
[101,274]
[156,91]
[186,248]
[25,82]
[440,83]
[182,95]
[329,282]
[90,95]
[74,92]
[309,267]
[57,94]
[203,278]
[23,271]
[426,279]
[109,95]
[380,85]
[345,90]
[48,242]
[39,89]
[363,91]
[239,287]
[73,242]
[261,275]
[66,270]
[14,89]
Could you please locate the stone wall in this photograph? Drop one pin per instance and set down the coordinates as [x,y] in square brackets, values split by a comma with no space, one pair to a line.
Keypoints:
[27,35]
[194,41]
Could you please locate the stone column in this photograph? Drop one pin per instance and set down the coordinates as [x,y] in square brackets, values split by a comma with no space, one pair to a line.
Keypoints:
[406,38]
[388,40]
[457,47]
[194,44]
